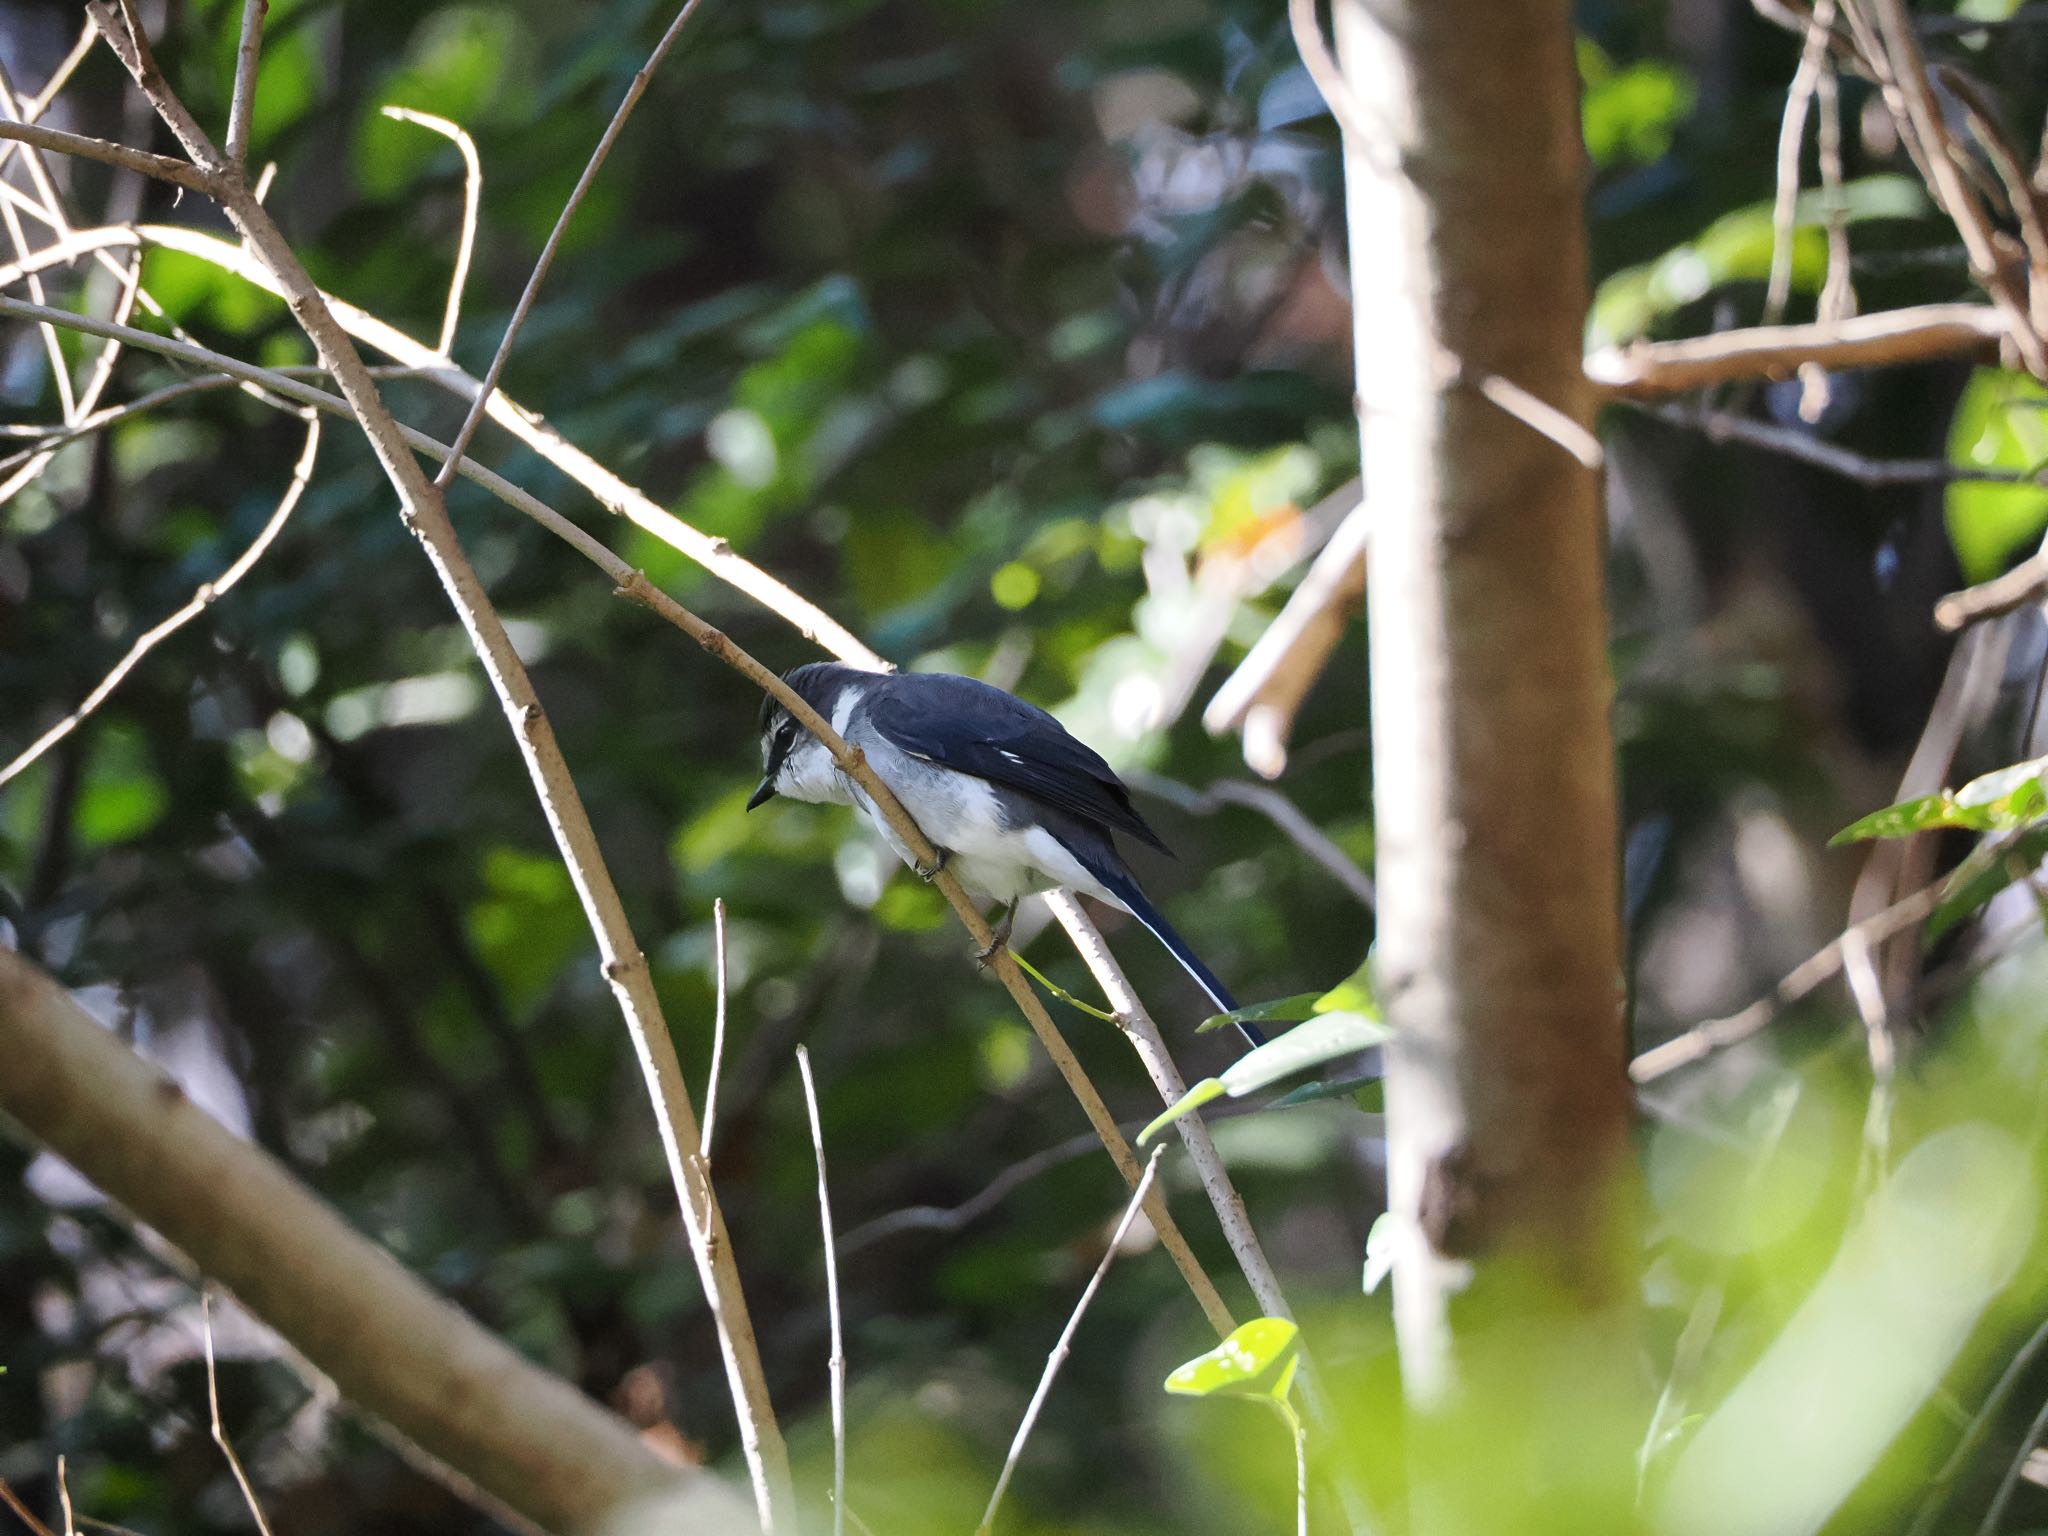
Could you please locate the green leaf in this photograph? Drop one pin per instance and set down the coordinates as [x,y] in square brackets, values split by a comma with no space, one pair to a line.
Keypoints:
[1998,424]
[2007,797]
[1207,1089]
[1629,113]
[1321,1039]
[1282,1010]
[1906,818]
[1369,1093]
[1351,995]
[1310,1045]
[1258,1360]
[1981,876]
[2010,796]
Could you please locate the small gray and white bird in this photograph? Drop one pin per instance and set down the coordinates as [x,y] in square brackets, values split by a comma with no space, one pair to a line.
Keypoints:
[1013,803]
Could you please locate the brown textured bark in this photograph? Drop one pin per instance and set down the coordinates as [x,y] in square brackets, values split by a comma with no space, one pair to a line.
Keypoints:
[1499,939]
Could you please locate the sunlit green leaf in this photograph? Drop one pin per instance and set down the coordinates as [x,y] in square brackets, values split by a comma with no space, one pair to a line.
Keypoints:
[1257,1360]
[1629,113]
[1351,995]
[1207,1089]
[1321,1039]
[1920,814]
[2006,797]
[1999,424]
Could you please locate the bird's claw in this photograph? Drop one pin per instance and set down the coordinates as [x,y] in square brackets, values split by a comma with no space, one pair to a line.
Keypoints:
[931,873]
[998,938]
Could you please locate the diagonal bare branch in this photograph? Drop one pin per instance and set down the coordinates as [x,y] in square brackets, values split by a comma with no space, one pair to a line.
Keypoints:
[472,198]
[178,173]
[624,965]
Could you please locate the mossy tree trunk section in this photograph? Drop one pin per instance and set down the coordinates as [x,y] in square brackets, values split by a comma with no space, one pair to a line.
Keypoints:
[1499,945]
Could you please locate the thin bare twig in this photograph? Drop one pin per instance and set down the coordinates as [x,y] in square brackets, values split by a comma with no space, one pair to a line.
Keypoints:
[178,173]
[1813,58]
[1647,369]
[26,1515]
[95,385]
[1838,288]
[64,1498]
[634,91]
[717,1024]
[1336,91]
[60,77]
[1539,416]
[195,605]
[1702,1040]
[2023,585]
[1791,443]
[60,372]
[1058,1355]
[2029,204]
[265,383]
[836,1364]
[472,200]
[1142,1032]
[242,106]
[32,159]
[1282,812]
[220,1434]
[49,437]
[952,1218]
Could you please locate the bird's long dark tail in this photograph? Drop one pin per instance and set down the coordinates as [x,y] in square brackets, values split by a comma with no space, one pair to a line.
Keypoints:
[1125,889]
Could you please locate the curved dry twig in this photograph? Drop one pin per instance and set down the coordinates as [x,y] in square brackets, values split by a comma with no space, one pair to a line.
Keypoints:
[1282,812]
[201,599]
[472,201]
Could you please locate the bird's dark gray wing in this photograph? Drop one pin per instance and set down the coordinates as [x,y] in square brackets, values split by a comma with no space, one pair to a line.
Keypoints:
[973,727]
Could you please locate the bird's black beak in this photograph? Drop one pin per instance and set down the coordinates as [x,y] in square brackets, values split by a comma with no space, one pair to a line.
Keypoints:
[764,794]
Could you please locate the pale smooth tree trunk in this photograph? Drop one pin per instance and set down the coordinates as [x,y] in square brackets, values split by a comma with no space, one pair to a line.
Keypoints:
[1499,951]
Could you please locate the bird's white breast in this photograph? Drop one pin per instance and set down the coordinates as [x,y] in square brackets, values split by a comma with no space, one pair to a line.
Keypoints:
[963,815]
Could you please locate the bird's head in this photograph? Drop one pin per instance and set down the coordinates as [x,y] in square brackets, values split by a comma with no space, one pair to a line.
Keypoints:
[794,763]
